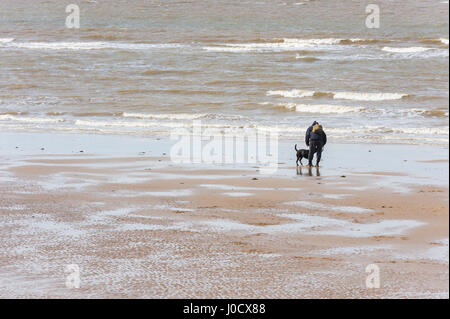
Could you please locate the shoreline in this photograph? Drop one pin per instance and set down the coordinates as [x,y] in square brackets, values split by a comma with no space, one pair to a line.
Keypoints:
[162,136]
[411,164]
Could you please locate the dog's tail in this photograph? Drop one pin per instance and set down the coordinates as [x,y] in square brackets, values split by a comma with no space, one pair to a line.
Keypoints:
[296,147]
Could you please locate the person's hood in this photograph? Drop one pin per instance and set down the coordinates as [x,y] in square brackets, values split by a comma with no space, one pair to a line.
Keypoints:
[314,123]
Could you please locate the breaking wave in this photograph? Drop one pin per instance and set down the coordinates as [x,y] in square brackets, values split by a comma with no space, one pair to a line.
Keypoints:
[338,95]
[136,123]
[292,93]
[6,40]
[87,45]
[368,96]
[10,117]
[184,116]
[406,50]
[285,44]
[322,108]
[338,109]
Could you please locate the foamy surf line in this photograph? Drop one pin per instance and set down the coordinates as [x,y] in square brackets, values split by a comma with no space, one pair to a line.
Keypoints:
[339,109]
[328,44]
[416,52]
[182,116]
[277,45]
[322,108]
[287,44]
[182,124]
[9,117]
[406,49]
[11,43]
[338,95]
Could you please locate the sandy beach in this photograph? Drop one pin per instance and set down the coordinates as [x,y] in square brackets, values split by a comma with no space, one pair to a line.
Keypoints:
[147,149]
[140,226]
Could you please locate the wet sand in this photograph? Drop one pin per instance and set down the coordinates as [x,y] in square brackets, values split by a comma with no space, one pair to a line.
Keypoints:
[143,227]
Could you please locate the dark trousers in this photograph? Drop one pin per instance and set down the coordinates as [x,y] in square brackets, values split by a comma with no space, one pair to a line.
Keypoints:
[315,147]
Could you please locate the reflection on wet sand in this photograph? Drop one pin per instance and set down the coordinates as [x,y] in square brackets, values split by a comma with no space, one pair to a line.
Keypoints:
[309,169]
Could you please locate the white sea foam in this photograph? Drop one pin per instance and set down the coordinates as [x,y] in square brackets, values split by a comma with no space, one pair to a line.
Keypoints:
[437,133]
[406,50]
[368,96]
[444,41]
[6,40]
[184,116]
[291,93]
[410,134]
[217,129]
[357,96]
[421,130]
[30,119]
[326,41]
[322,108]
[286,45]
[332,108]
[127,124]
[88,45]
[154,122]
[396,130]
[279,45]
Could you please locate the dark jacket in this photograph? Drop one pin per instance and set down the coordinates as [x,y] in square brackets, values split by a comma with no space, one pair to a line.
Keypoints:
[310,136]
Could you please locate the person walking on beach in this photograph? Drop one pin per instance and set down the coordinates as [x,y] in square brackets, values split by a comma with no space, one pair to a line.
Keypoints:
[315,139]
